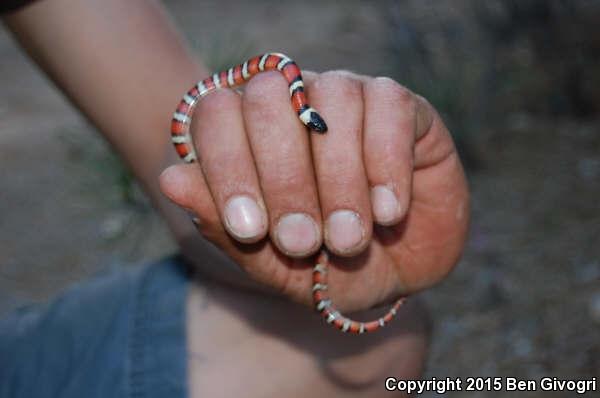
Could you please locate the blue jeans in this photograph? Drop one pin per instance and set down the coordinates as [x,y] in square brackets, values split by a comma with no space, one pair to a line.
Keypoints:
[119,335]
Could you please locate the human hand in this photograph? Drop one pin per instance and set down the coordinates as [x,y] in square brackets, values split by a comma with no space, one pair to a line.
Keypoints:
[387,159]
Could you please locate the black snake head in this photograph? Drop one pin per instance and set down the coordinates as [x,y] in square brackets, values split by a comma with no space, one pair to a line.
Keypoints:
[317,123]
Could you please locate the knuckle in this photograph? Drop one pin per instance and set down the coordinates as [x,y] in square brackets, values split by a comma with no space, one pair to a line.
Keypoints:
[284,179]
[264,86]
[388,89]
[338,82]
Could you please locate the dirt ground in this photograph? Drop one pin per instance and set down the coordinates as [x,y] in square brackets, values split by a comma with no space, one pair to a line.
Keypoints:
[524,300]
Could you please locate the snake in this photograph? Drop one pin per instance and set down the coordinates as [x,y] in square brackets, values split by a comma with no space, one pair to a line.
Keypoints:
[237,76]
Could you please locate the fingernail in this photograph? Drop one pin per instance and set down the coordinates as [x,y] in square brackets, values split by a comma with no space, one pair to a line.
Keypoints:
[297,233]
[385,204]
[344,230]
[243,218]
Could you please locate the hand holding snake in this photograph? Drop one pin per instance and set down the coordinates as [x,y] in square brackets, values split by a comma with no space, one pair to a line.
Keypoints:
[382,190]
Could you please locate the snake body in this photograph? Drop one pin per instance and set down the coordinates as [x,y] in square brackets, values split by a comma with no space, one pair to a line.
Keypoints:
[236,76]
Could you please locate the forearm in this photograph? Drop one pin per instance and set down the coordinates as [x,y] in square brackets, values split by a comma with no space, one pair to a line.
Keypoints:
[121,63]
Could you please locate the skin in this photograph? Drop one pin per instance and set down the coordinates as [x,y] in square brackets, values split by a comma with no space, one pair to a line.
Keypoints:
[248,303]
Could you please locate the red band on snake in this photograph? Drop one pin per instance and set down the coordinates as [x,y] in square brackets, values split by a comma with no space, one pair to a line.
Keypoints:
[236,76]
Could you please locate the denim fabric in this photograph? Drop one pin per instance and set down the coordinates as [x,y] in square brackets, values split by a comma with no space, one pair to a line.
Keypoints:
[119,335]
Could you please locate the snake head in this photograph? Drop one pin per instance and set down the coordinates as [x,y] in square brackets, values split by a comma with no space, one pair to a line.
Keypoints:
[316,123]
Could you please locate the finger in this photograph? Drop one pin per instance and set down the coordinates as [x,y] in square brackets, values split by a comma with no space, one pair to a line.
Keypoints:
[281,151]
[226,160]
[389,139]
[341,179]
[185,186]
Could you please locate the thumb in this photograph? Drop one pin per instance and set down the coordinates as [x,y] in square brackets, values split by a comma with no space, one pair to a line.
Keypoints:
[184,185]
